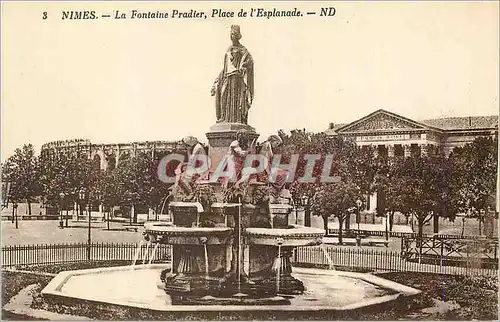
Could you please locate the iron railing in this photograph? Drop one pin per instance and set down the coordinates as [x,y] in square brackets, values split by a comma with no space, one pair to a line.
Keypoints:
[325,256]
[380,260]
[17,255]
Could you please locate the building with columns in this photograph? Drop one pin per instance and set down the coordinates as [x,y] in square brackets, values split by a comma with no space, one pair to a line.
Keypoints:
[394,134]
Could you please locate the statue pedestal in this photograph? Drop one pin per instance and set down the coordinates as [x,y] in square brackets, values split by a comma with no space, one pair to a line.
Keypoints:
[220,136]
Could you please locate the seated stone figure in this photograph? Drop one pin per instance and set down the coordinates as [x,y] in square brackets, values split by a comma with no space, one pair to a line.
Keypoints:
[185,176]
[275,176]
[238,150]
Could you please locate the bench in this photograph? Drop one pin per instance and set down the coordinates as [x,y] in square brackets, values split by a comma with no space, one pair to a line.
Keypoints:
[132,227]
[379,241]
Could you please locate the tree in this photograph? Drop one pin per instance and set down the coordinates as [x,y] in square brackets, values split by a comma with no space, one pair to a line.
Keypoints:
[473,177]
[22,170]
[301,143]
[424,188]
[353,165]
[389,180]
[67,172]
[109,189]
[335,199]
[136,182]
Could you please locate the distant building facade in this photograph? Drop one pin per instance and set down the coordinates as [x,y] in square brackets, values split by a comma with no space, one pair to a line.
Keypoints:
[108,155]
[394,134]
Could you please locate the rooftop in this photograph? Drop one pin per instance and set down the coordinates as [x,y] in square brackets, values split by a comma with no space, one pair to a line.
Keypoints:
[444,123]
[461,123]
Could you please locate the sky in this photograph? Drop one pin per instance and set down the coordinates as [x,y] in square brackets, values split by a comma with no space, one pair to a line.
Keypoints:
[125,80]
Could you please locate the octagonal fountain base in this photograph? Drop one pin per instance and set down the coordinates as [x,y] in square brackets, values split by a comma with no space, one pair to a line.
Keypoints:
[328,293]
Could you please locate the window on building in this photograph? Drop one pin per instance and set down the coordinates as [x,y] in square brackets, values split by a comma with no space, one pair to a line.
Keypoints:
[382,151]
[399,151]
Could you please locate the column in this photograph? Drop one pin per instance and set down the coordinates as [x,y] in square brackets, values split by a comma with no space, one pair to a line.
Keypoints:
[390,150]
[117,155]
[246,259]
[373,202]
[423,149]
[407,148]
[229,257]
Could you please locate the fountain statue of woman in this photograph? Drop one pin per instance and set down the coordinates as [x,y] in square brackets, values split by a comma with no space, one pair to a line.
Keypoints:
[233,89]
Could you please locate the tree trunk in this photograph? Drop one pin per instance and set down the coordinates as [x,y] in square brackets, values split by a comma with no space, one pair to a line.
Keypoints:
[463,226]
[109,217]
[341,221]
[420,228]
[436,223]
[28,201]
[391,220]
[325,224]
[479,221]
[387,227]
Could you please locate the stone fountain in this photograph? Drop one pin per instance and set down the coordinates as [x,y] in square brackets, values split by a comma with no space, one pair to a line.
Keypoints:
[236,252]
[230,235]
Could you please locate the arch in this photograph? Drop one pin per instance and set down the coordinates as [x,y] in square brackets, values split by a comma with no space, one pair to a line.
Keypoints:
[96,161]
[111,162]
[98,155]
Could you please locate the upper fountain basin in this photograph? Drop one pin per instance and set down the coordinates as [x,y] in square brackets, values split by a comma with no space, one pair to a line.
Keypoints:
[291,237]
[168,234]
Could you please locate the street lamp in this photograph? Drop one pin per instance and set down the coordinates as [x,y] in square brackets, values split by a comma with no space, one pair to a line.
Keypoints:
[14,207]
[359,203]
[307,214]
[61,200]
[81,195]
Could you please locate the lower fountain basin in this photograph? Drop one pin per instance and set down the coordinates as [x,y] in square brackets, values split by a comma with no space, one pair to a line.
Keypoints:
[292,237]
[174,235]
[326,291]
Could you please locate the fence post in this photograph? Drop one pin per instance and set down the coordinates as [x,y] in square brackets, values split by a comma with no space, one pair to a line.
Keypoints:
[442,253]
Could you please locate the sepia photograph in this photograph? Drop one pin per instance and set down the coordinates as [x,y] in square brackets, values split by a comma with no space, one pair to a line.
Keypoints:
[279,160]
